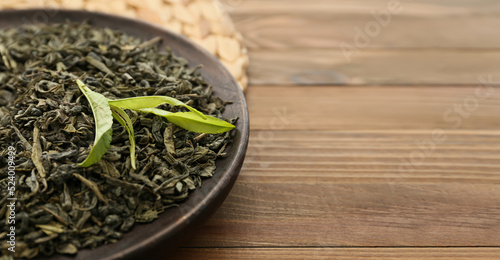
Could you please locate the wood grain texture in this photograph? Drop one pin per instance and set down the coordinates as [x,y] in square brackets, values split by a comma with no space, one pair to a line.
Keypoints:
[338,7]
[372,67]
[330,31]
[373,157]
[369,177]
[327,23]
[325,214]
[371,108]
[402,161]
[339,253]
[319,42]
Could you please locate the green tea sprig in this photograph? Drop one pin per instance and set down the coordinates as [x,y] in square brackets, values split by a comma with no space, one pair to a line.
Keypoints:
[103,124]
[125,121]
[105,110]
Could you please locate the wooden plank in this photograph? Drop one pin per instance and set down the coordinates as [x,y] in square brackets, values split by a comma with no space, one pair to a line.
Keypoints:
[427,7]
[371,108]
[371,67]
[330,30]
[338,253]
[389,157]
[324,169]
[328,23]
[286,37]
[318,213]
[305,184]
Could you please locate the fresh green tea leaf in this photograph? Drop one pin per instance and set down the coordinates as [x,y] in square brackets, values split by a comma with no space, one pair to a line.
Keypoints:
[103,124]
[190,121]
[156,111]
[137,103]
[125,121]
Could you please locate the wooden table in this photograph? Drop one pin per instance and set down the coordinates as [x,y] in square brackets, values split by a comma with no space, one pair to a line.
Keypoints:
[393,155]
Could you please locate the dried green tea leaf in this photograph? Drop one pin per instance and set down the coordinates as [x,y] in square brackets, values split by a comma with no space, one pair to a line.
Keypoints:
[103,124]
[147,216]
[7,59]
[68,249]
[36,152]
[168,140]
[137,103]
[23,251]
[51,228]
[92,186]
[32,182]
[98,64]
[70,128]
[125,121]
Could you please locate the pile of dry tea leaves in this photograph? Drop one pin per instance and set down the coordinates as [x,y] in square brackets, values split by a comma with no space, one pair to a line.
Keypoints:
[47,128]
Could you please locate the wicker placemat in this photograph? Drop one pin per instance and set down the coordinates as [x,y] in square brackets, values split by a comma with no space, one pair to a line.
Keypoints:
[204,21]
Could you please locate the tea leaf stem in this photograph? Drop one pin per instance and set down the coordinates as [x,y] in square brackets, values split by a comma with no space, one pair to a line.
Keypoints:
[125,121]
[92,186]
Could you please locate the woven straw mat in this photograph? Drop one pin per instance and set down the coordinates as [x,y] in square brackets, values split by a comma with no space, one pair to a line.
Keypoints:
[203,21]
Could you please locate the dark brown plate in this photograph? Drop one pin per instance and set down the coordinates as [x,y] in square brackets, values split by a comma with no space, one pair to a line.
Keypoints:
[157,239]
